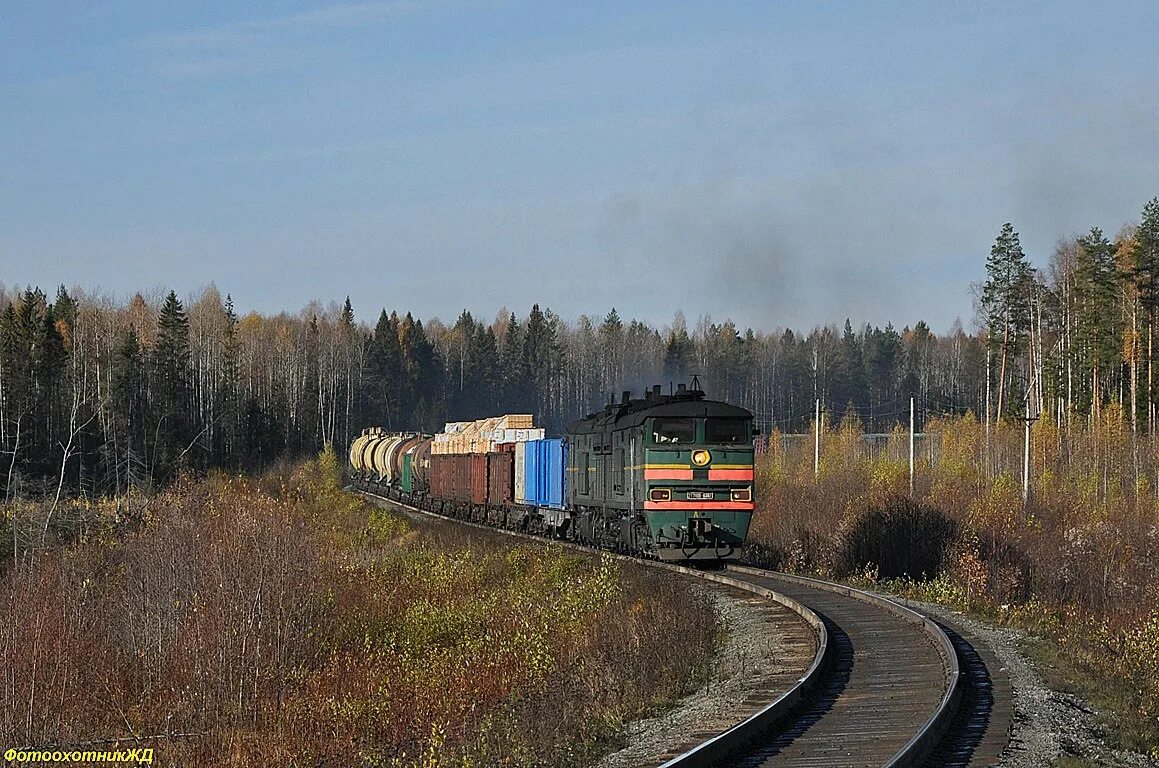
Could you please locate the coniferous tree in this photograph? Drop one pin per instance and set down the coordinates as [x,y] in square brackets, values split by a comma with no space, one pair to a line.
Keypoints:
[64,309]
[486,380]
[883,358]
[228,393]
[1145,273]
[539,348]
[384,372]
[1005,303]
[611,348]
[678,352]
[351,369]
[170,406]
[126,451]
[1097,334]
[847,377]
[421,399]
[513,382]
[462,366]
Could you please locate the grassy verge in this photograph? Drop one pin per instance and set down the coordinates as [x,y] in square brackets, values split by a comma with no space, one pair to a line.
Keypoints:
[282,621]
[1079,659]
[1077,566]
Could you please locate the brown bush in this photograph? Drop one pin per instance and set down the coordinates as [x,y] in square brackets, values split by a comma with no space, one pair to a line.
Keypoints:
[899,537]
[283,621]
[1079,561]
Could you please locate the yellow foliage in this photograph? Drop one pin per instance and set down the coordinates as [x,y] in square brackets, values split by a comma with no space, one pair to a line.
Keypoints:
[887,479]
[999,509]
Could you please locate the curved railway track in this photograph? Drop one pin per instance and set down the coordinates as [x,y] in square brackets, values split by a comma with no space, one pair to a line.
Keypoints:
[886,686]
[891,692]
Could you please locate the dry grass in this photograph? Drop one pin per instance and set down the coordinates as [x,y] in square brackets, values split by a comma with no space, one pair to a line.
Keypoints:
[1079,564]
[281,621]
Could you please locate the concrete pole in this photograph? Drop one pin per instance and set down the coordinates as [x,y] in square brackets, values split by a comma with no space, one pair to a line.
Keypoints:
[1026,458]
[817,441]
[911,446]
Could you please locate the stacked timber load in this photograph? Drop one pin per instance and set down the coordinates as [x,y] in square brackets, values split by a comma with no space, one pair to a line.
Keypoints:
[460,442]
[516,421]
[448,441]
[482,436]
[515,435]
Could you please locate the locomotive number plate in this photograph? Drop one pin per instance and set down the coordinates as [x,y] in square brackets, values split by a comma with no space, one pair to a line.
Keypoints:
[700,495]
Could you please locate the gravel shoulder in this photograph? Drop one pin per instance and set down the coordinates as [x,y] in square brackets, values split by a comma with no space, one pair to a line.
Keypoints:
[767,649]
[1048,725]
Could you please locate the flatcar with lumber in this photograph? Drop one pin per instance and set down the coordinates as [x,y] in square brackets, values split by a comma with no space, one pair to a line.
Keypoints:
[665,476]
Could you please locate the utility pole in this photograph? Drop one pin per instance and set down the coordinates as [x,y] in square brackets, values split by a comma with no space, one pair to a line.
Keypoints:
[986,443]
[817,441]
[1026,456]
[911,446]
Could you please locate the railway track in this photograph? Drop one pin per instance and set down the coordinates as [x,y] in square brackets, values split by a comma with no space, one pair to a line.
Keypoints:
[892,688]
[886,687]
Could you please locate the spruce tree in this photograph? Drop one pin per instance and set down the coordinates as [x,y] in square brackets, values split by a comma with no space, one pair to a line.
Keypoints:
[1096,332]
[678,353]
[513,383]
[127,452]
[1145,267]
[538,359]
[170,417]
[228,387]
[65,311]
[1145,272]
[383,371]
[611,337]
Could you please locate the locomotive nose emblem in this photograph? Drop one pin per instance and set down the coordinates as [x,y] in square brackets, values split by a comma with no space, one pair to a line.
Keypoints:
[701,457]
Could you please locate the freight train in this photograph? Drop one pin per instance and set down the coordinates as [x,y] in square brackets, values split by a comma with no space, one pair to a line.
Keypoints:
[663,476]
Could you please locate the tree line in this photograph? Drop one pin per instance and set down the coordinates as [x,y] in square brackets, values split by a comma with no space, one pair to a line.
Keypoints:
[1079,335]
[98,395]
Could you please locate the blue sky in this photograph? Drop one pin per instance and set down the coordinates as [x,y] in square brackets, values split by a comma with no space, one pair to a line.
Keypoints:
[776,163]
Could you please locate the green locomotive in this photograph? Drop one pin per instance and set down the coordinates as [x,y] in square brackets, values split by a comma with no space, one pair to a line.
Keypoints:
[670,476]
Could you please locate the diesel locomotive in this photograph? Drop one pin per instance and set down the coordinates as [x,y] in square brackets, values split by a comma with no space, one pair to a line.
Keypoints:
[666,476]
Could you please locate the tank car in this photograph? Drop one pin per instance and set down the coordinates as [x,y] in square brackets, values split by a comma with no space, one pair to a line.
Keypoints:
[664,476]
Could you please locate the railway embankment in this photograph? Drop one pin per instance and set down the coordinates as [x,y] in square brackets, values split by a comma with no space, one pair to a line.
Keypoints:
[768,663]
[280,620]
[1071,569]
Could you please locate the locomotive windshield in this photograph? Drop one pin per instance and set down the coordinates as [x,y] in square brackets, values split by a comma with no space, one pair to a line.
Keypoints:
[726,431]
[674,431]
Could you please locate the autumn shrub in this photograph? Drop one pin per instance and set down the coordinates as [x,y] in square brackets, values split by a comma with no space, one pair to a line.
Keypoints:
[1078,562]
[281,621]
[898,537]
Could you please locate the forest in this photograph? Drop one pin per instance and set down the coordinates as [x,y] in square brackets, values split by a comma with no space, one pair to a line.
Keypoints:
[99,395]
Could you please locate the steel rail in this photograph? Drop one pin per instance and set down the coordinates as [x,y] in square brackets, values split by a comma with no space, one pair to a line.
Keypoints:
[919,747]
[760,725]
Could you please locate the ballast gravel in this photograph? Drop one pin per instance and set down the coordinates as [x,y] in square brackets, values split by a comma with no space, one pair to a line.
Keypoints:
[1048,725]
[757,662]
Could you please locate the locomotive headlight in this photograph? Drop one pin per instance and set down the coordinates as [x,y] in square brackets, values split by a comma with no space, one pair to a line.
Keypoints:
[742,494]
[660,494]
[701,457]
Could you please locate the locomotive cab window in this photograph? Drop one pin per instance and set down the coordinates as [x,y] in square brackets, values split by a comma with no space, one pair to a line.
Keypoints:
[674,430]
[726,431]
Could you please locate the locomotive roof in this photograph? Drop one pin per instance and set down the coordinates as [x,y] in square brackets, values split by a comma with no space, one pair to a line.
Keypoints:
[688,404]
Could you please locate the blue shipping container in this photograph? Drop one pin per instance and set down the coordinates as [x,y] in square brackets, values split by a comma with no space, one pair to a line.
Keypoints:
[543,473]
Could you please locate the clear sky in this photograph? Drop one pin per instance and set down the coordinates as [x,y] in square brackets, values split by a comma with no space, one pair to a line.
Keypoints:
[777,163]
